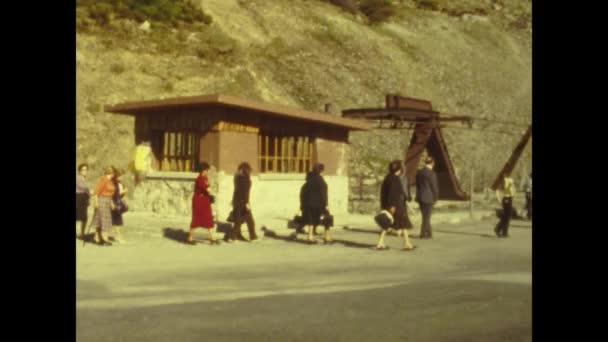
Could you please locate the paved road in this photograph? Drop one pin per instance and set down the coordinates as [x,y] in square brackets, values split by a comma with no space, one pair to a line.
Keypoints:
[464,285]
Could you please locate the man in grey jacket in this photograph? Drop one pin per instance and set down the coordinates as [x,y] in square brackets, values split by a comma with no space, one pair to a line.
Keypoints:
[427,193]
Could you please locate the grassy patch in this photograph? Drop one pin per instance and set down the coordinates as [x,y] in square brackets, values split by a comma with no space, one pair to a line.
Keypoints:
[173,12]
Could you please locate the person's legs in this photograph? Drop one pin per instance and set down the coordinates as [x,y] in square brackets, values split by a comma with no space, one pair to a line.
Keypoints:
[311,229]
[83,226]
[189,237]
[429,229]
[251,227]
[529,205]
[235,230]
[425,229]
[406,239]
[97,237]
[327,237]
[212,239]
[117,235]
[380,243]
[507,204]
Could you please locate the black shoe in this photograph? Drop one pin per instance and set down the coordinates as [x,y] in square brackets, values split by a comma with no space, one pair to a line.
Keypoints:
[241,238]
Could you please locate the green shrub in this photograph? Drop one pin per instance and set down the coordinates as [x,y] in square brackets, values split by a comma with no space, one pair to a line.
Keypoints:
[377,10]
[427,4]
[166,11]
[117,68]
[101,13]
[347,5]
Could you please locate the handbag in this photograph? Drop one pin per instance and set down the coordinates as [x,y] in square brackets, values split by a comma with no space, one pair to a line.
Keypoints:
[122,206]
[211,199]
[296,223]
[384,219]
[327,220]
[230,216]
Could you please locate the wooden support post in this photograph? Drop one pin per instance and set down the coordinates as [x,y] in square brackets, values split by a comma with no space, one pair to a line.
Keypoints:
[472,188]
[267,161]
[276,155]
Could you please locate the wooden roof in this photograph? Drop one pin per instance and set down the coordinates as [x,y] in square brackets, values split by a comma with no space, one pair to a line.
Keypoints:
[202,102]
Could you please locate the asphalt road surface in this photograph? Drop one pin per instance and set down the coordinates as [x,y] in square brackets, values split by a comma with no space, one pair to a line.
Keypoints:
[463,285]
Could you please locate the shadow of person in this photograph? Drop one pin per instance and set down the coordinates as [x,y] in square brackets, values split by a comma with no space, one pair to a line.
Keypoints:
[178,235]
[290,238]
[359,230]
[463,233]
[353,244]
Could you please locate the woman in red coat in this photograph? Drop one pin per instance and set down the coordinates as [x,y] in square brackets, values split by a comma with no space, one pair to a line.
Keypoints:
[201,206]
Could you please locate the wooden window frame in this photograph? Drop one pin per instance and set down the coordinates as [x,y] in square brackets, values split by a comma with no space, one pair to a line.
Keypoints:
[177,150]
[280,153]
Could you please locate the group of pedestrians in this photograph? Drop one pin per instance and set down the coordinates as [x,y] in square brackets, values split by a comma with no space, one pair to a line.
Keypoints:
[394,195]
[108,202]
[314,210]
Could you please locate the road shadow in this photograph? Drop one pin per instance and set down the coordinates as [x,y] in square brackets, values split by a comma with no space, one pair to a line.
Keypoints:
[520,226]
[359,230]
[291,238]
[89,238]
[463,233]
[352,244]
[177,235]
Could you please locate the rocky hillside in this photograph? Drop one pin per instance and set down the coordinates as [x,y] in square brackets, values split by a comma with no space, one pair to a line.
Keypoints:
[467,57]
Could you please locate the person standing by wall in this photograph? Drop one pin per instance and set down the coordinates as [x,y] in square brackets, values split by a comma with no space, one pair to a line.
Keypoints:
[119,192]
[102,219]
[202,216]
[392,199]
[507,188]
[528,190]
[427,193]
[82,198]
[241,207]
[313,201]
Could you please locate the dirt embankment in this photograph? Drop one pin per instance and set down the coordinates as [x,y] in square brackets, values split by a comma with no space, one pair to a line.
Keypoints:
[308,53]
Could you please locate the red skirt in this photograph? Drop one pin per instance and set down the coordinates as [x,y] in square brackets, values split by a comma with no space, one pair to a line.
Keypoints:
[201,212]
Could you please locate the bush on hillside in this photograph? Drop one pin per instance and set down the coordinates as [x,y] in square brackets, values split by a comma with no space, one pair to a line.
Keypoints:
[427,4]
[347,5]
[377,10]
[166,11]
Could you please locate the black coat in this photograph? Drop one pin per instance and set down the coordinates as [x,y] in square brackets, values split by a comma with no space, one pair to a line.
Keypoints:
[427,186]
[242,188]
[313,193]
[391,193]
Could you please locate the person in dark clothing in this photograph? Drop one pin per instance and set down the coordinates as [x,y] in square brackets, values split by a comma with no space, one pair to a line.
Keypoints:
[83,195]
[507,188]
[241,207]
[392,199]
[427,193]
[528,190]
[406,222]
[119,192]
[313,201]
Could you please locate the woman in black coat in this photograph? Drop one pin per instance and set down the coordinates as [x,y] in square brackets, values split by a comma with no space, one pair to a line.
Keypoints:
[240,204]
[313,201]
[392,199]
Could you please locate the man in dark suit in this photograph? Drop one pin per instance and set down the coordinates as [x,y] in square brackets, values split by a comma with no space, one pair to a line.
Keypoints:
[427,193]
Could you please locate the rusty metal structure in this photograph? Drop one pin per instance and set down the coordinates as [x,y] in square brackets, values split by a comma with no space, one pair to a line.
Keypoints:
[510,165]
[400,111]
